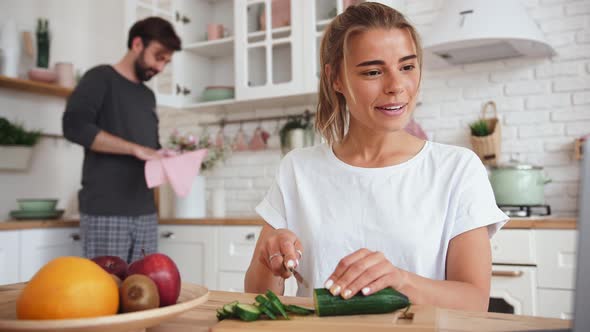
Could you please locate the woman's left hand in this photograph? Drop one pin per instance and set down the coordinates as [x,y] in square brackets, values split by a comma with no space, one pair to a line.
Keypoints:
[366,271]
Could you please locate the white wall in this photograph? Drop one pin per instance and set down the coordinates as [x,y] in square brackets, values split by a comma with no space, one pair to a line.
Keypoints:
[544,104]
[86,33]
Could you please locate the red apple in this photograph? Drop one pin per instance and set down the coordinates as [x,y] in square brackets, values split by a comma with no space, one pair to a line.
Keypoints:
[163,271]
[112,264]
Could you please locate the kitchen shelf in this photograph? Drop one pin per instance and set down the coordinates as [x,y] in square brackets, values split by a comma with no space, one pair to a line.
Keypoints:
[34,87]
[213,48]
[277,32]
[231,105]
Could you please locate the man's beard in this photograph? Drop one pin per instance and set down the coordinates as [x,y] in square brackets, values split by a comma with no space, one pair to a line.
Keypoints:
[144,72]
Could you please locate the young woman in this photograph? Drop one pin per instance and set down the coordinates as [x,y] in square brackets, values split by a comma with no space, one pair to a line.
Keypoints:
[375,207]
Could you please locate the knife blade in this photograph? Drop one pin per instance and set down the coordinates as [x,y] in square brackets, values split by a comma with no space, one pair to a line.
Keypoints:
[299,277]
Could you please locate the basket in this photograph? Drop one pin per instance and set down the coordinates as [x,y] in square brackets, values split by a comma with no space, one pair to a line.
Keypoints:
[488,148]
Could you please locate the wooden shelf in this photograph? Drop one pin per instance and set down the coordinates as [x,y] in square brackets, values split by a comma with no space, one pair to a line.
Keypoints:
[34,87]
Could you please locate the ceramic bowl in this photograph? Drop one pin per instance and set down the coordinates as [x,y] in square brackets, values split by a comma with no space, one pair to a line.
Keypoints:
[34,204]
[43,75]
[217,93]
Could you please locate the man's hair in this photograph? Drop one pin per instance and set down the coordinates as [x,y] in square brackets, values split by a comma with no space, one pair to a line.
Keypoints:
[155,29]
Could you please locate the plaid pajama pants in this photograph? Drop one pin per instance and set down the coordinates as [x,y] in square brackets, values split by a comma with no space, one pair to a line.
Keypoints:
[119,236]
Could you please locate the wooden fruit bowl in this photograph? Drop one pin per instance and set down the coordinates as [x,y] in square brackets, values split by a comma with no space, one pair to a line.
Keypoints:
[190,296]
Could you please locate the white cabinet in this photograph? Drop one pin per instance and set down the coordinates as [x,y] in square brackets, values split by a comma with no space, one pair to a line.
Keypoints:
[39,246]
[235,247]
[556,250]
[193,250]
[260,60]
[534,271]
[9,262]
[269,48]
[202,62]
[555,303]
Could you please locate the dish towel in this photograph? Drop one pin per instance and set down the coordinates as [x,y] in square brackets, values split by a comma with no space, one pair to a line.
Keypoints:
[179,170]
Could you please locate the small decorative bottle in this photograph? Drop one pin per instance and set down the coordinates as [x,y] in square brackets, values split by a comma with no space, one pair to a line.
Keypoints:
[42,43]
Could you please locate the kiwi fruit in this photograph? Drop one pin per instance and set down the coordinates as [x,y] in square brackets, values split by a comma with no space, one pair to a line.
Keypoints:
[138,292]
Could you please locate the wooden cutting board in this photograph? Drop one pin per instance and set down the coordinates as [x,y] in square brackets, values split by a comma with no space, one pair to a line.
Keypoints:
[419,319]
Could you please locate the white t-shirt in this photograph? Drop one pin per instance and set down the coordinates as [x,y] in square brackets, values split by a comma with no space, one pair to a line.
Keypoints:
[408,211]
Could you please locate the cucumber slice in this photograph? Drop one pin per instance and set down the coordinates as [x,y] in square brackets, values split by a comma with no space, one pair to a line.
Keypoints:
[384,301]
[229,309]
[298,310]
[276,302]
[266,311]
[221,315]
[247,312]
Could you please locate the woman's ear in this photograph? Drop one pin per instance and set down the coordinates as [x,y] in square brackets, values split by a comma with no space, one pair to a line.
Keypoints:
[336,85]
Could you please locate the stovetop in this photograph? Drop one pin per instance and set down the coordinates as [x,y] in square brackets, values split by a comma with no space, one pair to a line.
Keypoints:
[525,210]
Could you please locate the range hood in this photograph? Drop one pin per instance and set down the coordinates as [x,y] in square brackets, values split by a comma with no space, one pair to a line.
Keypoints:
[469,31]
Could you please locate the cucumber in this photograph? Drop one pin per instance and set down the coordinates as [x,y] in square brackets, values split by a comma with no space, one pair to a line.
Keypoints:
[276,302]
[221,315]
[266,311]
[229,309]
[266,307]
[247,312]
[384,301]
[297,310]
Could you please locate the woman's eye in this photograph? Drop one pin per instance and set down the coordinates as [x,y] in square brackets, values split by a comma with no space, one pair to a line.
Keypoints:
[372,73]
[408,67]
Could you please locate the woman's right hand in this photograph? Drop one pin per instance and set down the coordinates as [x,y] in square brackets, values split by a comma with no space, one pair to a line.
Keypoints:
[279,251]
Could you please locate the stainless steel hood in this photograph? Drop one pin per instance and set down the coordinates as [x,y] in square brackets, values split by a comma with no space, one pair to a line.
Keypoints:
[468,31]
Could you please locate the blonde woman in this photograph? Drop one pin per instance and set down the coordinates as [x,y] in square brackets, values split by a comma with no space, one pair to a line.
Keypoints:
[376,207]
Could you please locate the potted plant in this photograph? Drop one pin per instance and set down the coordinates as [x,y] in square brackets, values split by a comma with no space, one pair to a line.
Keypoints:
[16,145]
[297,132]
[194,204]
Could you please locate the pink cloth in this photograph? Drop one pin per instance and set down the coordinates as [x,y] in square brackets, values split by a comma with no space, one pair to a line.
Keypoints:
[179,170]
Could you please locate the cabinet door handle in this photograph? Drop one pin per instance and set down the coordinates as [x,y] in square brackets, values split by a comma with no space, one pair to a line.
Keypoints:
[184,90]
[75,236]
[182,18]
[510,274]
[250,236]
[168,235]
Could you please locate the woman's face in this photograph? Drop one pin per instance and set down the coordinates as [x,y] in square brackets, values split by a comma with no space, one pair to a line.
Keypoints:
[383,79]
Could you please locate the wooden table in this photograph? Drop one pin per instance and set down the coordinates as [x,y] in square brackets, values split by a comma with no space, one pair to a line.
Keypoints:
[203,319]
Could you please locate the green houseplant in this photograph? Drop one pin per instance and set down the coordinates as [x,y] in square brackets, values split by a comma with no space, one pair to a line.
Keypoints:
[16,145]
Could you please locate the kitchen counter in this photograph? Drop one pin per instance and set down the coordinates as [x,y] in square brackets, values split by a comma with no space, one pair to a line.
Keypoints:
[203,319]
[553,222]
[425,318]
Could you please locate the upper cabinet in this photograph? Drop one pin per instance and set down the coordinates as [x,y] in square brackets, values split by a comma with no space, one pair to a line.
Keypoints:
[263,48]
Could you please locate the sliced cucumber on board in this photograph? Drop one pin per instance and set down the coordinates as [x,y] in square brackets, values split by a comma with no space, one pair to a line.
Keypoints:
[247,312]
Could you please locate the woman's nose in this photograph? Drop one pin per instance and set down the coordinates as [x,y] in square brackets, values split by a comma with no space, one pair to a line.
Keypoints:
[393,85]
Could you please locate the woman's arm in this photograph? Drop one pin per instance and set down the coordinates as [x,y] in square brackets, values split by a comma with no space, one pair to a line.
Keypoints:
[468,277]
[270,273]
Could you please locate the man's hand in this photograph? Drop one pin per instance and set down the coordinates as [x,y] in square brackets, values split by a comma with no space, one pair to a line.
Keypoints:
[145,153]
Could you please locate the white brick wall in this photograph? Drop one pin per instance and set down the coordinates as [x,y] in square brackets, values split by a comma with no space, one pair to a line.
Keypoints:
[543,104]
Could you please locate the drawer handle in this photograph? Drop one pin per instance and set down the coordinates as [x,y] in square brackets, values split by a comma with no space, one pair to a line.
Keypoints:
[510,274]
[75,236]
[168,235]
[250,236]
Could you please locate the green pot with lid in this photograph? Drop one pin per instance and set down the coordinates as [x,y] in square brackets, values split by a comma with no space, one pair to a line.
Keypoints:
[518,184]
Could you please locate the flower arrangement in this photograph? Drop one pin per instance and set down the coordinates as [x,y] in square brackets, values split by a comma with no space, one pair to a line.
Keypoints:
[187,142]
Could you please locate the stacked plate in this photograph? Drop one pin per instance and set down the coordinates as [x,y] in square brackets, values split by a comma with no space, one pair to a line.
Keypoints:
[35,208]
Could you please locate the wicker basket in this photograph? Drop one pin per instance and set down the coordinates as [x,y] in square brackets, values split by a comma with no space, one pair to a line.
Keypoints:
[488,148]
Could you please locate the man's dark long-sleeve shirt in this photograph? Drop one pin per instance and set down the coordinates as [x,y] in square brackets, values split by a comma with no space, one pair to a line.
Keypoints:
[112,185]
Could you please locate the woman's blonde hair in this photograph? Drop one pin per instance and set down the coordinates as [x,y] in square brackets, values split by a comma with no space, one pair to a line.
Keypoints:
[331,117]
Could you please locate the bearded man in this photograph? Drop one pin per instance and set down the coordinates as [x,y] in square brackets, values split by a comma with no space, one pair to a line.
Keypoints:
[112,114]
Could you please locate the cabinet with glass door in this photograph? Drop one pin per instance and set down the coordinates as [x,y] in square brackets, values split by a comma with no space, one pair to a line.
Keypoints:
[269,48]
[322,12]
